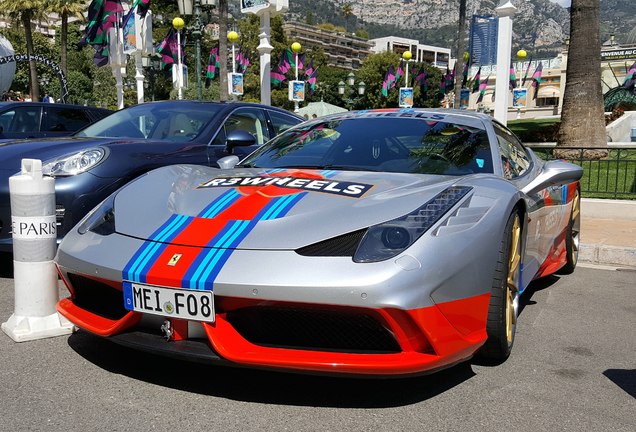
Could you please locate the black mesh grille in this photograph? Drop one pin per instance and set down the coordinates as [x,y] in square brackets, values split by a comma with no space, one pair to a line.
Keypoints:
[318,330]
[97,297]
[342,246]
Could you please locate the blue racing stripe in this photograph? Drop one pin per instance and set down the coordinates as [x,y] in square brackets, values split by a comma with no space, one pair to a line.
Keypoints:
[282,211]
[220,258]
[224,201]
[147,258]
[211,257]
[280,202]
[142,252]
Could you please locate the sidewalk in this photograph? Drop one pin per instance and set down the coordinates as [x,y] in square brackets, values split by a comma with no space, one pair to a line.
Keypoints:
[608,232]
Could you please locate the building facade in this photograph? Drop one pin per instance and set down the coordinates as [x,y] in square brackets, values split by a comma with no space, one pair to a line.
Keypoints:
[436,56]
[342,50]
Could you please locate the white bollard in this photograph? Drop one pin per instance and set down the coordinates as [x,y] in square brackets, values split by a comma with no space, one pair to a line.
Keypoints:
[34,244]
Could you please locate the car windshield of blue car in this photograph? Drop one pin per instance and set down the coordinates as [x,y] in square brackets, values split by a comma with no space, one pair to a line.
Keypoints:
[403,145]
[162,122]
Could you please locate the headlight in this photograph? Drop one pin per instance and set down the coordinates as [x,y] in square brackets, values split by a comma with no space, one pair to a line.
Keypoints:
[389,239]
[73,164]
[100,220]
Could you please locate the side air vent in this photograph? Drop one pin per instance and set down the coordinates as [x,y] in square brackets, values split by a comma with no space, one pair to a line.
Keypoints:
[341,246]
[462,220]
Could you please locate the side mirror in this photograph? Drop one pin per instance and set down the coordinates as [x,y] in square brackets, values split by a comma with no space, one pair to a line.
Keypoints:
[554,173]
[227,162]
[239,138]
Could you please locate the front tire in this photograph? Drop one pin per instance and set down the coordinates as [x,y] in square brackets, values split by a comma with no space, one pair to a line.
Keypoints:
[572,237]
[504,294]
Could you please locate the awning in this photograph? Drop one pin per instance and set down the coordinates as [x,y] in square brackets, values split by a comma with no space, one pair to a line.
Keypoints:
[549,92]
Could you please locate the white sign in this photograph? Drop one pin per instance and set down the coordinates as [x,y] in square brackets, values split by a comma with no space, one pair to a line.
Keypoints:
[33,227]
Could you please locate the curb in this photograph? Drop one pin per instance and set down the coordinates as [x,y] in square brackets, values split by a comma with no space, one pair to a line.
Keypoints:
[607,255]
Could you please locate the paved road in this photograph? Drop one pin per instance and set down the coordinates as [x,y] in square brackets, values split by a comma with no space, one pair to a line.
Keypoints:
[573,369]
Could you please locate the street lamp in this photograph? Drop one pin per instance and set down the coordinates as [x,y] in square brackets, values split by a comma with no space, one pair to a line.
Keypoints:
[196,31]
[521,55]
[351,97]
[178,24]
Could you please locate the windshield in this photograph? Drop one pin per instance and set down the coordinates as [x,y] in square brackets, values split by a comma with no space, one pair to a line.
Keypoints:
[406,145]
[168,122]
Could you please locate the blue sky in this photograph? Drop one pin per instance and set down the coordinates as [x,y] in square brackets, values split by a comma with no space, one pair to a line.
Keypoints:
[564,3]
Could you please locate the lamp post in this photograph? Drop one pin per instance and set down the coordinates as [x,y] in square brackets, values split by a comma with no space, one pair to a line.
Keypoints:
[178,24]
[521,55]
[187,7]
[351,97]
[296,47]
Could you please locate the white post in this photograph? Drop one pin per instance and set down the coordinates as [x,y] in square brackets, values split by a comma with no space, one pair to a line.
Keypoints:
[139,76]
[506,11]
[406,75]
[296,107]
[117,62]
[179,67]
[34,232]
[265,49]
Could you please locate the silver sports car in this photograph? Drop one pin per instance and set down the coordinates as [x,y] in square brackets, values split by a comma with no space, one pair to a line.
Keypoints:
[389,242]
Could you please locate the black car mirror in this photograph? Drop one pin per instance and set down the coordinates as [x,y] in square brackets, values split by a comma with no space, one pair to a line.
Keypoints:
[239,138]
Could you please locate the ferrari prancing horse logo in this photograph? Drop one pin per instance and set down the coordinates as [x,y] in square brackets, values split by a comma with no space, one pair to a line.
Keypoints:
[174,260]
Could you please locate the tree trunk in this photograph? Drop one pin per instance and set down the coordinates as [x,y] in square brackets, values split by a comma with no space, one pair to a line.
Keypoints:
[223,50]
[461,47]
[64,43]
[582,117]
[33,72]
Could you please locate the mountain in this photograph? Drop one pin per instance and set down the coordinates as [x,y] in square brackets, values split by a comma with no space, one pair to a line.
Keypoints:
[539,25]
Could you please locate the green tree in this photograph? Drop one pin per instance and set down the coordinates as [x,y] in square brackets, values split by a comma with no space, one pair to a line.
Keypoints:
[461,47]
[347,12]
[66,9]
[582,118]
[23,12]
[372,72]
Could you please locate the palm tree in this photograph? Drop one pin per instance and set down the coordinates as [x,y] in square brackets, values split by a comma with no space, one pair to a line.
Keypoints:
[23,12]
[67,8]
[347,12]
[461,47]
[582,117]
[223,49]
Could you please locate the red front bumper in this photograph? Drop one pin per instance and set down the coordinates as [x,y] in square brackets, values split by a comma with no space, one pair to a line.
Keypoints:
[429,338]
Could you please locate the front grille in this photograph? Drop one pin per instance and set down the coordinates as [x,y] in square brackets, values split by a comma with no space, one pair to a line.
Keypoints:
[313,329]
[97,297]
[341,246]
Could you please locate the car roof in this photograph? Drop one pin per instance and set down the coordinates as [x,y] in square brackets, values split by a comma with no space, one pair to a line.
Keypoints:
[24,103]
[226,105]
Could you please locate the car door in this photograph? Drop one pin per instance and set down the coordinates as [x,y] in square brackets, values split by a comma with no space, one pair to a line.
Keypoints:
[60,121]
[249,119]
[19,122]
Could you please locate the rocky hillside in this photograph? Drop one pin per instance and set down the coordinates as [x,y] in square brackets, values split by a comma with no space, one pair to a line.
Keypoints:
[540,25]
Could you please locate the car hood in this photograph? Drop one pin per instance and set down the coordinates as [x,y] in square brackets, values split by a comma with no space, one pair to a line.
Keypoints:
[198,206]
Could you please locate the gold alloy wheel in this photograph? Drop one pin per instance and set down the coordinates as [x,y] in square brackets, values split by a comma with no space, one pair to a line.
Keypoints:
[576,227]
[512,283]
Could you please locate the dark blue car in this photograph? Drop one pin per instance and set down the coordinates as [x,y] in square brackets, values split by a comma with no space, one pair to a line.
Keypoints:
[19,120]
[94,162]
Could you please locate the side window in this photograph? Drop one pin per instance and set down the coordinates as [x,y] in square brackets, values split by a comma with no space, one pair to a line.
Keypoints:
[23,119]
[282,122]
[514,159]
[64,120]
[251,120]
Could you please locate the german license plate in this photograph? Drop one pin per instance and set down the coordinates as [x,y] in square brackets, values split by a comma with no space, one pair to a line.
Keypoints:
[178,303]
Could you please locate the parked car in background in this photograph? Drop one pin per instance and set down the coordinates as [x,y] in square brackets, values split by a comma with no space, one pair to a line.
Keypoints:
[99,159]
[20,120]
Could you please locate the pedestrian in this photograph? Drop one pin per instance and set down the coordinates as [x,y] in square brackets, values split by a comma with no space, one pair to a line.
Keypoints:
[46,97]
